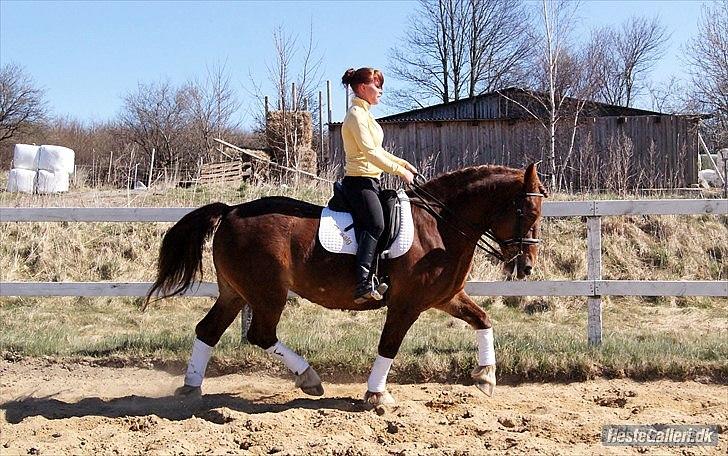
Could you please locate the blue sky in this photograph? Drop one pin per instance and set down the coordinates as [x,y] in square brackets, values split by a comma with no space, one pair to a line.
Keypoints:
[87,55]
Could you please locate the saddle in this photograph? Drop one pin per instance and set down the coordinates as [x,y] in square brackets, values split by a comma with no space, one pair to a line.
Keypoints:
[336,230]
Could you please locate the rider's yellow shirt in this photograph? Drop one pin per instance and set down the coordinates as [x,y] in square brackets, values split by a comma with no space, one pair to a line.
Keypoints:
[363,138]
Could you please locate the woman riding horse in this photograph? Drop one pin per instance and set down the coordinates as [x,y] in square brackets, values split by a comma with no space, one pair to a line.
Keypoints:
[365,162]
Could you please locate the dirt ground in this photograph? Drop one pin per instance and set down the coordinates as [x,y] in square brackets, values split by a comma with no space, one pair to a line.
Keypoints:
[56,408]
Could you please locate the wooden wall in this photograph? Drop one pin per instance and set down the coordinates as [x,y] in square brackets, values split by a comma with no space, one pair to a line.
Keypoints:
[663,152]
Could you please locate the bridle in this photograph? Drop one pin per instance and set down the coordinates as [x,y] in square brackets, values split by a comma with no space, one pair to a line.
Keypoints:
[484,240]
[520,240]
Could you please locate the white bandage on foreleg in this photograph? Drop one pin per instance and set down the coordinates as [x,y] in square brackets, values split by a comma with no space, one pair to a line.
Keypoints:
[291,359]
[201,353]
[486,350]
[377,382]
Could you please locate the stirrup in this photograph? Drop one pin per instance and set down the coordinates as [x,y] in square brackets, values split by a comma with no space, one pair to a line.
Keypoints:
[373,294]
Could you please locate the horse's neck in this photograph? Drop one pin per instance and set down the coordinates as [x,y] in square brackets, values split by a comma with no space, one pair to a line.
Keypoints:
[474,204]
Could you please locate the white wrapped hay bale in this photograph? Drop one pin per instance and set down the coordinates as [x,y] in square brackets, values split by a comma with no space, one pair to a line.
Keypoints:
[21,180]
[56,159]
[49,182]
[25,156]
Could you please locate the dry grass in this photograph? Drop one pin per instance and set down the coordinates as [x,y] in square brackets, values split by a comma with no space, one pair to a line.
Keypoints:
[537,338]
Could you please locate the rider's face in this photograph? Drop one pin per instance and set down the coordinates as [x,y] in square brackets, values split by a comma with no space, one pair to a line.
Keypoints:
[371,92]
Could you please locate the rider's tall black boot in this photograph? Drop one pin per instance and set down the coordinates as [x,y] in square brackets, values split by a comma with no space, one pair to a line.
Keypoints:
[365,253]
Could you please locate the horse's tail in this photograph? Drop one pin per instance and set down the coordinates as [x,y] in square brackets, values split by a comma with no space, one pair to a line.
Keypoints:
[180,257]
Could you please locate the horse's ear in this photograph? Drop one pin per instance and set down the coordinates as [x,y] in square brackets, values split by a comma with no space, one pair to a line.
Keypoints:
[530,178]
[531,182]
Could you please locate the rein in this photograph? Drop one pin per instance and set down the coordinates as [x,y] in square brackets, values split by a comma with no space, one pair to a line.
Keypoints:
[484,240]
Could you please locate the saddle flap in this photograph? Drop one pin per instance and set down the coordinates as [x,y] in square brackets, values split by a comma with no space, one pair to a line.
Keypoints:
[336,233]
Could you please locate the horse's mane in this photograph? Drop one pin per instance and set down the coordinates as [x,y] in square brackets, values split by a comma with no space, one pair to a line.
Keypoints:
[467,179]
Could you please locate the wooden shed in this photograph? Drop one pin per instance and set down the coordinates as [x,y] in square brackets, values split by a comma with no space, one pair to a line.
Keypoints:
[598,146]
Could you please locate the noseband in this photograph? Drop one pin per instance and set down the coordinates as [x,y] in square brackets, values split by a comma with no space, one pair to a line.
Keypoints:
[484,239]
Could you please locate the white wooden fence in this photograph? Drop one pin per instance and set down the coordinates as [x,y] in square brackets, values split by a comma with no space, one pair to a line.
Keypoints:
[593,288]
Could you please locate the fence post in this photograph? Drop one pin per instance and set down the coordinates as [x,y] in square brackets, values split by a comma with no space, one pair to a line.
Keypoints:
[151,169]
[594,273]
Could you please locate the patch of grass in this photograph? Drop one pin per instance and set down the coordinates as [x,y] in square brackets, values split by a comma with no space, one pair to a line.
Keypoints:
[549,345]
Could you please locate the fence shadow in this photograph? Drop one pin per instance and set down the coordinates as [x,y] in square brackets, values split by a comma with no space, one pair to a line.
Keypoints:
[169,407]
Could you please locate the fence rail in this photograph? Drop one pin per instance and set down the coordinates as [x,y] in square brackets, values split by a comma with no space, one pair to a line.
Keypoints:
[593,288]
[550,209]
[473,288]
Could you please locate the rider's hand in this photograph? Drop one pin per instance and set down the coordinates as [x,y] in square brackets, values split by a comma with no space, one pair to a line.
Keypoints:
[408,177]
[411,168]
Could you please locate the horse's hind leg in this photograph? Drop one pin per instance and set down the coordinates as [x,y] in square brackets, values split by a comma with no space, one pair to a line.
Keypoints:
[209,331]
[461,306]
[267,307]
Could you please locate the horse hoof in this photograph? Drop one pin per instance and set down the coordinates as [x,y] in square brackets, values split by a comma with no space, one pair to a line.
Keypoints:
[310,382]
[484,377]
[188,392]
[379,399]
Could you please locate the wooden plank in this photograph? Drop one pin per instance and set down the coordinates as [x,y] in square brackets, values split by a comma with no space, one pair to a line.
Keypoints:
[138,289]
[474,288]
[594,273]
[661,207]
[550,209]
[93,214]
[662,288]
[523,288]
[567,208]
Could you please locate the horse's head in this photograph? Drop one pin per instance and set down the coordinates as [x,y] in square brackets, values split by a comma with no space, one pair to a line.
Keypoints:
[518,229]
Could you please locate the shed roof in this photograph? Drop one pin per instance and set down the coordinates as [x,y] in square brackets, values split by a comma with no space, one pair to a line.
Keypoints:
[591,108]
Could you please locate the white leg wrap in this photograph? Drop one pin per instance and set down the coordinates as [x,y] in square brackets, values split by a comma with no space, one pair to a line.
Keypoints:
[486,350]
[201,353]
[291,359]
[377,382]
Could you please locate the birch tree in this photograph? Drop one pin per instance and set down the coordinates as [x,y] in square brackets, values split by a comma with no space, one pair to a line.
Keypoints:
[707,55]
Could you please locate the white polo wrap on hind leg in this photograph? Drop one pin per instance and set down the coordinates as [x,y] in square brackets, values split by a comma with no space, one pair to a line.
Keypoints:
[201,353]
[377,382]
[291,359]
[486,350]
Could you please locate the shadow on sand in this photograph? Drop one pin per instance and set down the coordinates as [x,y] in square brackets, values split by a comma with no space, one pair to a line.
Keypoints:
[169,407]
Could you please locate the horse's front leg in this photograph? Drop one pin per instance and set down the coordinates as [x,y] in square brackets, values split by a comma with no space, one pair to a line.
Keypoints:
[462,306]
[398,322]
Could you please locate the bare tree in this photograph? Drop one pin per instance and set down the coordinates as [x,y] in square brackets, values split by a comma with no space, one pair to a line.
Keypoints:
[21,101]
[212,103]
[294,65]
[707,55]
[155,117]
[667,96]
[497,44]
[627,55]
[425,61]
[457,48]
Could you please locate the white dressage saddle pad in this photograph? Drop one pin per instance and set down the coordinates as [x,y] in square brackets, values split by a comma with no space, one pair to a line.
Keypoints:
[336,238]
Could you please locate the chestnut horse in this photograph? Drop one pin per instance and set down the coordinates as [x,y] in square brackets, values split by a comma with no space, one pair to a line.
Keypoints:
[264,248]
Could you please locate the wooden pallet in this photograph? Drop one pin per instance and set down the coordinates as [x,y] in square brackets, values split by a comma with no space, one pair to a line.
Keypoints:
[221,172]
